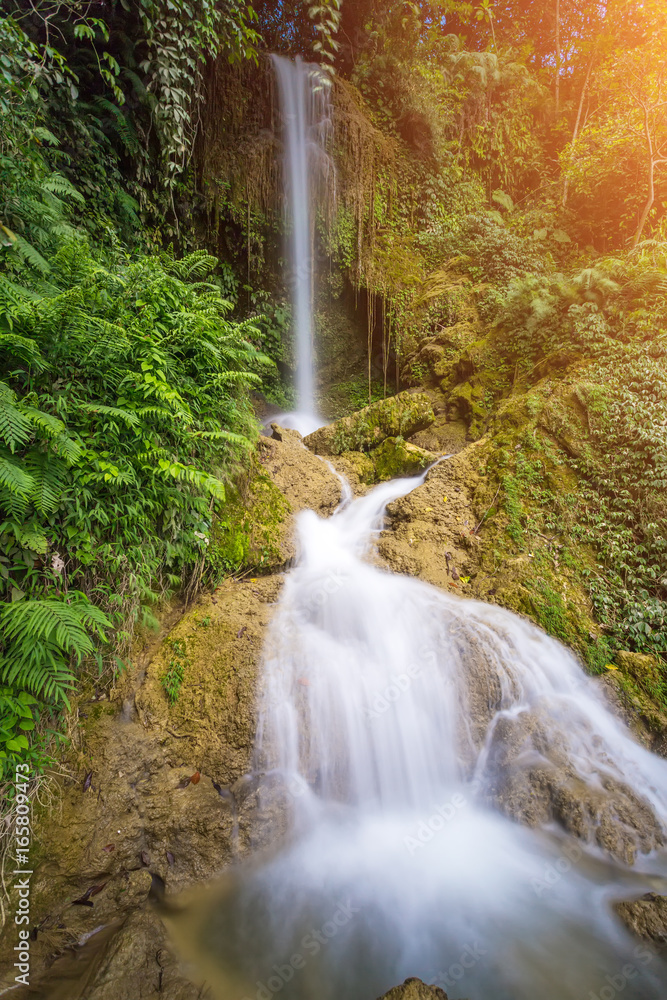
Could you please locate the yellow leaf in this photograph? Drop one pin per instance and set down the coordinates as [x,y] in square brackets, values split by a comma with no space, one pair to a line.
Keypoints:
[444,499]
[610,666]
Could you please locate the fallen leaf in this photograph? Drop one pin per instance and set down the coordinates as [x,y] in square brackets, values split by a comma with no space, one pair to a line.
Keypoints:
[145,858]
[170,858]
[195,778]
[183,783]
[240,632]
[109,848]
[87,781]
[85,899]
[444,499]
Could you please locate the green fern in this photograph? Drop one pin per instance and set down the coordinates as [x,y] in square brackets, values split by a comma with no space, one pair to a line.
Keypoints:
[49,476]
[42,639]
[15,426]
[14,478]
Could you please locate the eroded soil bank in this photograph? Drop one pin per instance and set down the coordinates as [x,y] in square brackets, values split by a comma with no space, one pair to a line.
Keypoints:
[157,797]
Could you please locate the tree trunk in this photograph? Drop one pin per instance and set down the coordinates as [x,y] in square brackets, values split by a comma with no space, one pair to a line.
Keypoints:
[649,202]
[575,134]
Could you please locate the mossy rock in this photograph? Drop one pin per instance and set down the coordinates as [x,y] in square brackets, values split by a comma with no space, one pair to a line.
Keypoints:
[468,400]
[251,531]
[361,463]
[644,669]
[397,416]
[528,588]
[396,457]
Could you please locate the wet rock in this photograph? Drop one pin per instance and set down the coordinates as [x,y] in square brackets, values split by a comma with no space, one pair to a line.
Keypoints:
[535,781]
[646,918]
[397,457]
[435,519]
[415,989]
[397,416]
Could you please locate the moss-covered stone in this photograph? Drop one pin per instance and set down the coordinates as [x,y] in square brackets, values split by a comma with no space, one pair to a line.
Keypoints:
[469,401]
[396,457]
[250,532]
[361,464]
[256,530]
[397,416]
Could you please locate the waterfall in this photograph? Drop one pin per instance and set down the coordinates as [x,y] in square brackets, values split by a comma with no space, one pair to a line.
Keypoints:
[382,699]
[306,115]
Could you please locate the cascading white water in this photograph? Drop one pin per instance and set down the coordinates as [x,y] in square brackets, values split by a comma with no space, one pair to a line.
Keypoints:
[396,863]
[306,113]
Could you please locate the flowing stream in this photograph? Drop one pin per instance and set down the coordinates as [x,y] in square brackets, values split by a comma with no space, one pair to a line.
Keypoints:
[399,727]
[396,862]
[306,114]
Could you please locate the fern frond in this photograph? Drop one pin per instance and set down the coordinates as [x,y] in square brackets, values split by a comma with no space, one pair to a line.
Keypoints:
[221,435]
[31,256]
[59,185]
[63,622]
[236,378]
[32,537]
[195,265]
[48,475]
[52,426]
[127,416]
[121,125]
[22,349]
[15,426]
[15,479]
[40,637]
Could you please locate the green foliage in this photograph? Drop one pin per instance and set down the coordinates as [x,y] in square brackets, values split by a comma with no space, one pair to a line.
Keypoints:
[179,36]
[124,410]
[326,15]
[172,679]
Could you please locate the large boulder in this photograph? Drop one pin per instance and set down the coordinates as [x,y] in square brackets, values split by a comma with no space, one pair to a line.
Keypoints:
[398,416]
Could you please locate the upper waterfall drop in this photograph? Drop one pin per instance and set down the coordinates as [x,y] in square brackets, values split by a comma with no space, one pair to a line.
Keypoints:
[306,114]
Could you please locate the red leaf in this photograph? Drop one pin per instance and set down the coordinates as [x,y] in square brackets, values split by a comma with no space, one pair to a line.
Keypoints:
[195,778]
